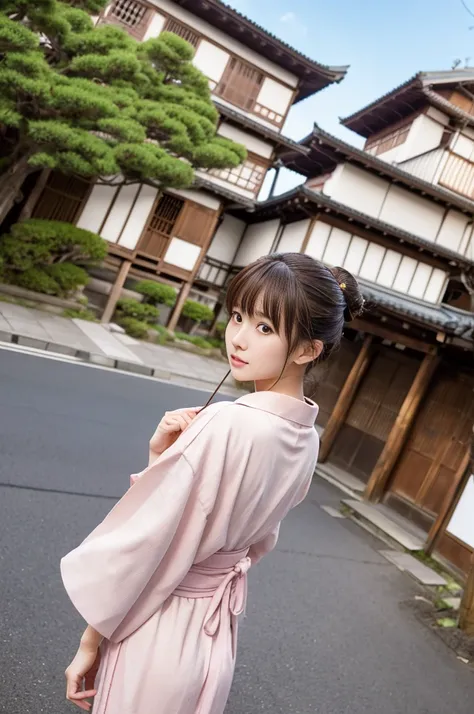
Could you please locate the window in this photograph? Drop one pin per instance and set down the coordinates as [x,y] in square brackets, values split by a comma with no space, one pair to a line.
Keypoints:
[62,198]
[240,84]
[248,175]
[378,145]
[132,15]
[182,31]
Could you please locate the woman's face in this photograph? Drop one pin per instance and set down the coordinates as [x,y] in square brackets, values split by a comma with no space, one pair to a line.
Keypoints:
[255,351]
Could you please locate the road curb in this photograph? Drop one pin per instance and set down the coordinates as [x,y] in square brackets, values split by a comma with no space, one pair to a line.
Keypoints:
[108,362]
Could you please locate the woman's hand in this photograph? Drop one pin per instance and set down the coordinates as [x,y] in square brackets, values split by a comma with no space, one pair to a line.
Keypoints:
[80,676]
[169,428]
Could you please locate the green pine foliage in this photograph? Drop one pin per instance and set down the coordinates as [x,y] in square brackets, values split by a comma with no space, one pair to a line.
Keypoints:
[94,102]
[197,312]
[156,293]
[46,256]
[129,307]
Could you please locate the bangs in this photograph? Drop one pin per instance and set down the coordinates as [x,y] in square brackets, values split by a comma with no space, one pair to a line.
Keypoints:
[270,287]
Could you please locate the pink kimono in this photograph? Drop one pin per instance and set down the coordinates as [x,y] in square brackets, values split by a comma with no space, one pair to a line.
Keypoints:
[163,577]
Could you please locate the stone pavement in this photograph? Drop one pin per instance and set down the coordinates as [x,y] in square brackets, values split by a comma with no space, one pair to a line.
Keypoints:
[92,342]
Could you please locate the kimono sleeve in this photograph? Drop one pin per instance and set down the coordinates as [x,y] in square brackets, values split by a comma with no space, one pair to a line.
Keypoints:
[263,547]
[130,564]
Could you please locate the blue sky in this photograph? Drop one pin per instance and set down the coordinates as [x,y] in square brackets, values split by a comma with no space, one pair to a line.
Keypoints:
[384,42]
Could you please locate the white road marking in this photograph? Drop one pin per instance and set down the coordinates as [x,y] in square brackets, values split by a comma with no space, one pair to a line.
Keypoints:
[333,512]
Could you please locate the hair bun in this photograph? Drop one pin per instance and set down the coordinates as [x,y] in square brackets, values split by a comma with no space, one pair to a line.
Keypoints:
[352,294]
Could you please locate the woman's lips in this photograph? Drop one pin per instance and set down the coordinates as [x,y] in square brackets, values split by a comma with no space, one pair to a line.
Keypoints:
[237,362]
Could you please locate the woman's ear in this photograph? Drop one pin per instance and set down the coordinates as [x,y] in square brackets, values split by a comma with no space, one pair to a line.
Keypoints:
[308,352]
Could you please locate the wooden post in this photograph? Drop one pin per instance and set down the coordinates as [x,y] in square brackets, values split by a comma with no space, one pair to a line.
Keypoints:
[345,399]
[35,193]
[449,504]
[466,611]
[400,429]
[116,290]
[182,297]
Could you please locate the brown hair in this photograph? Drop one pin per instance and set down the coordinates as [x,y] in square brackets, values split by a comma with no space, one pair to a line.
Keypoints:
[300,296]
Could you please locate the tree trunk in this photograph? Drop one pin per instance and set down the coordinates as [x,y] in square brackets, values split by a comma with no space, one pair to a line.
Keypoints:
[11,182]
[35,193]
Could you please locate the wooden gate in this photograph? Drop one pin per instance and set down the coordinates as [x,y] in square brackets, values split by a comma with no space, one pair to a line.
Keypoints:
[437,443]
[372,415]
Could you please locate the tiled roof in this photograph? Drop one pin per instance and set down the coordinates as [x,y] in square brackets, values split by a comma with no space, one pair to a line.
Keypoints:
[364,120]
[302,164]
[303,194]
[313,75]
[261,129]
[443,317]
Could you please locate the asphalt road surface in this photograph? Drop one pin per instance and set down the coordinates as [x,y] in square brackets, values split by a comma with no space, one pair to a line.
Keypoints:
[327,628]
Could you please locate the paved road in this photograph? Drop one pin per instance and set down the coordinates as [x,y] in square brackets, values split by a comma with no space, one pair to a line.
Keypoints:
[326,631]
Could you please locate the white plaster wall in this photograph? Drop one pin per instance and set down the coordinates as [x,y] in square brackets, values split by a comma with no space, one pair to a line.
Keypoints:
[232,45]
[412,213]
[211,60]
[420,280]
[119,213]
[96,207]
[436,286]
[251,143]
[355,254]
[405,274]
[336,247]
[201,197]
[452,230]
[438,116]
[467,244]
[156,26]
[372,262]
[275,96]
[138,217]
[318,240]
[425,135]
[182,254]
[462,146]
[293,236]
[357,188]
[258,241]
[461,524]
[226,239]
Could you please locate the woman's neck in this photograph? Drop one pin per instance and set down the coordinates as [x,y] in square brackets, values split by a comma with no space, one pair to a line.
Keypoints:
[291,386]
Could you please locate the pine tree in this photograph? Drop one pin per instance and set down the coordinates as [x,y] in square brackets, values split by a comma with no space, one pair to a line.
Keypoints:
[94,102]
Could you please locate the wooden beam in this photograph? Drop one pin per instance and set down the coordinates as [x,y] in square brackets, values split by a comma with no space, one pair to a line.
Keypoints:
[450,501]
[398,337]
[182,297]
[116,291]
[399,433]
[308,233]
[346,398]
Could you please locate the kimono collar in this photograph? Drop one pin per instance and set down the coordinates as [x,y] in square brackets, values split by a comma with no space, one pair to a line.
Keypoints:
[282,405]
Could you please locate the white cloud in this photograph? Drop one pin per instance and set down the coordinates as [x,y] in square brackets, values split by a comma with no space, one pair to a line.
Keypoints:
[288,17]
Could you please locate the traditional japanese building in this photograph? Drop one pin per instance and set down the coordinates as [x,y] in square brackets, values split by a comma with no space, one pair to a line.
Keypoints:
[397,402]
[255,78]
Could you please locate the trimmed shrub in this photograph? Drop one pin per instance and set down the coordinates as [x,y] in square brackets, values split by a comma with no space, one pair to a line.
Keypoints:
[162,335]
[197,312]
[194,340]
[68,276]
[220,329]
[36,280]
[156,293]
[129,307]
[134,328]
[83,314]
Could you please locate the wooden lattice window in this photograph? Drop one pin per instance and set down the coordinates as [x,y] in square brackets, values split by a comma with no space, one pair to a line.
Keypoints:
[133,15]
[249,175]
[182,31]
[62,198]
[240,84]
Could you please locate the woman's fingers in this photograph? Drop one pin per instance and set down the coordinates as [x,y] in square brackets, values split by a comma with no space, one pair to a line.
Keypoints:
[77,696]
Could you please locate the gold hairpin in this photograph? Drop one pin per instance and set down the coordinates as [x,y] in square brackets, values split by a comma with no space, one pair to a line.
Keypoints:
[342,286]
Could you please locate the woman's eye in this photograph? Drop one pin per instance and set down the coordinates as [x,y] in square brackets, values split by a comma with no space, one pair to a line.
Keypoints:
[237,316]
[265,329]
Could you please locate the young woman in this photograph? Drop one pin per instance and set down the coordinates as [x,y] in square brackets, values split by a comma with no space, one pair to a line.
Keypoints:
[162,580]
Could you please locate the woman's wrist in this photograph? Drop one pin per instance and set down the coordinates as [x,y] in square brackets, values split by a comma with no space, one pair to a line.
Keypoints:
[90,639]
